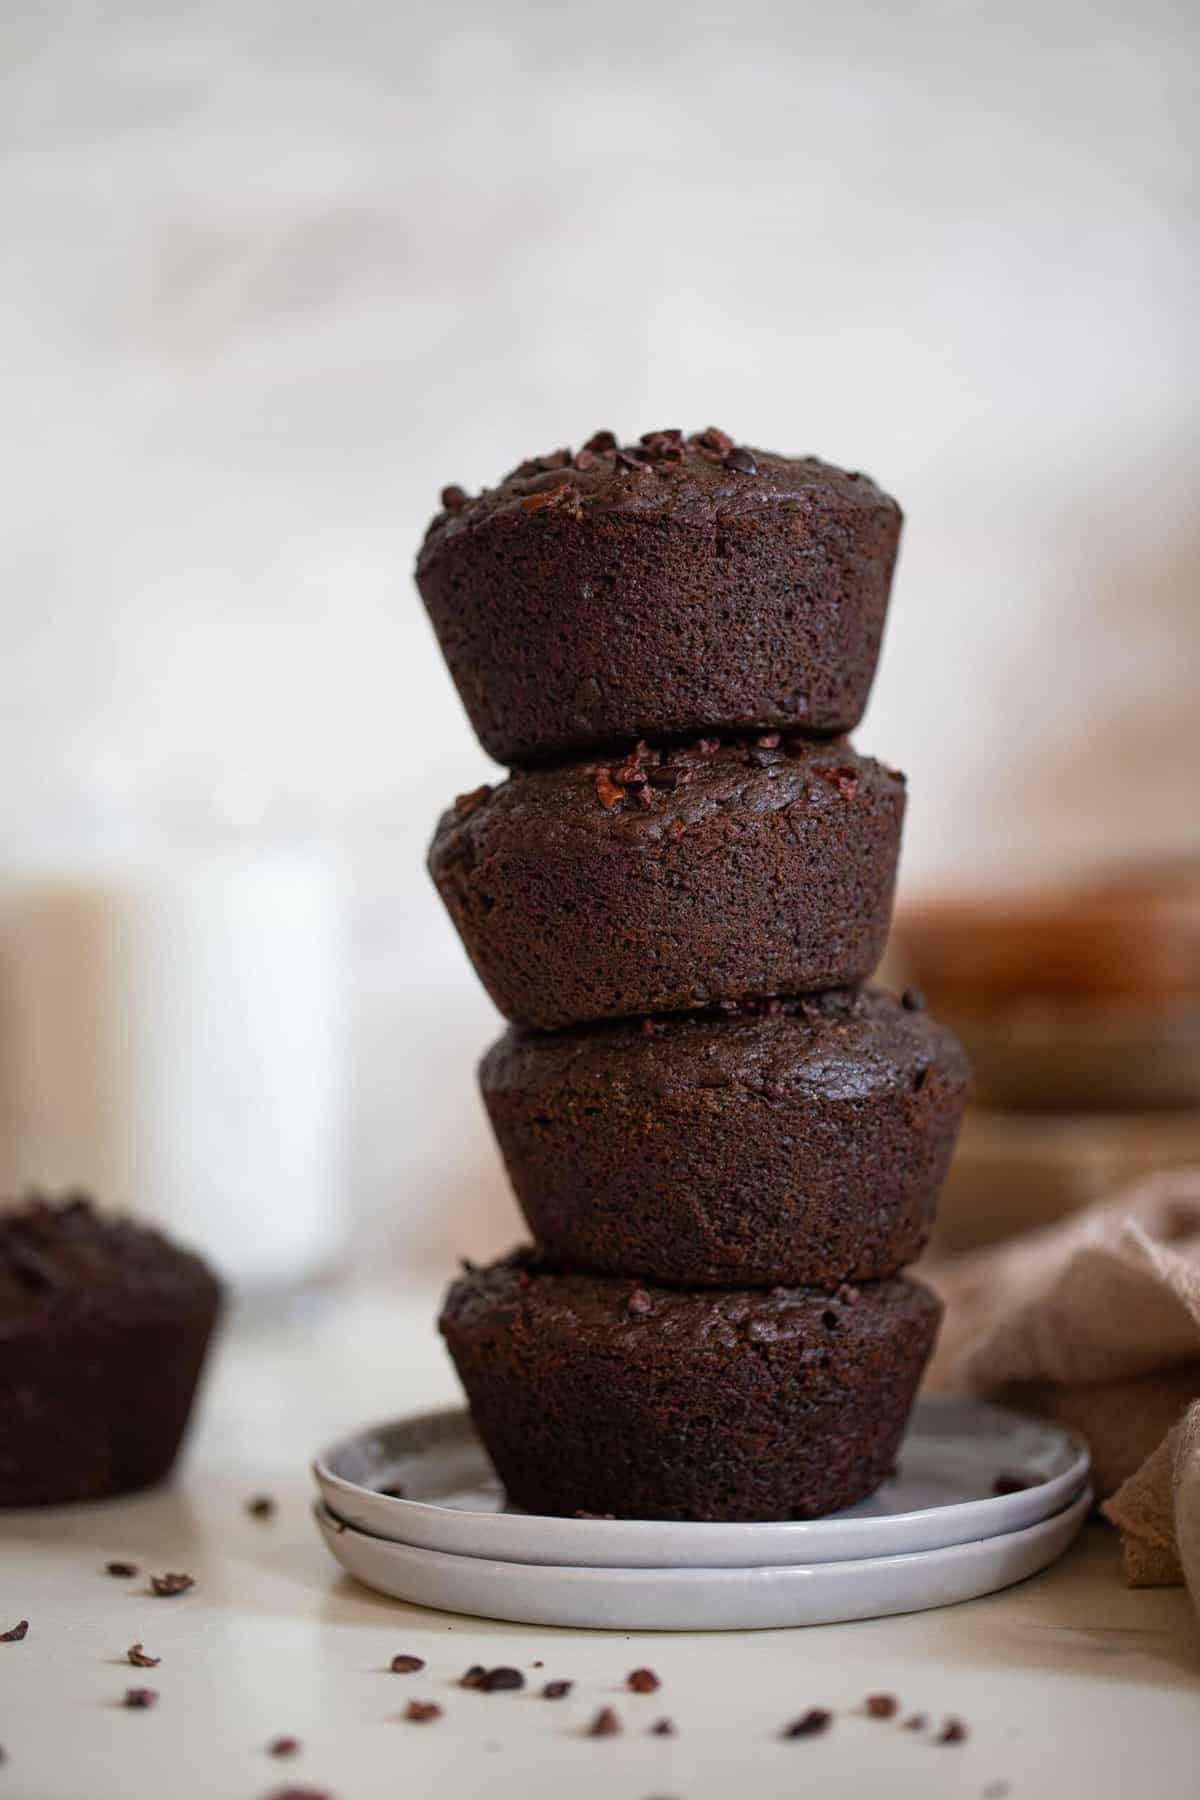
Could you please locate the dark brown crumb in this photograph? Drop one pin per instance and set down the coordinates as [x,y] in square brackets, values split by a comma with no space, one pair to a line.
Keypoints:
[137,1656]
[607,791]
[715,439]
[605,1724]
[844,779]
[557,1690]
[261,1506]
[454,498]
[466,804]
[16,1633]
[501,1680]
[810,1724]
[167,1585]
[662,1728]
[881,1706]
[1009,1482]
[539,1664]
[742,461]
[393,1491]
[642,1681]
[139,1699]
[283,1746]
[669,778]
[406,1665]
[916,1722]
[952,1732]
[123,1570]
[422,1711]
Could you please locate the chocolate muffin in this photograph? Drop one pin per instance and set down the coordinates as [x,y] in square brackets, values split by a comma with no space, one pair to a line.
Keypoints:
[669,880]
[803,1142]
[103,1330]
[595,1394]
[657,591]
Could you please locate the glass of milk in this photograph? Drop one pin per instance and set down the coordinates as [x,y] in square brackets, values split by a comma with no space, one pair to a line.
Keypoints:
[173,1040]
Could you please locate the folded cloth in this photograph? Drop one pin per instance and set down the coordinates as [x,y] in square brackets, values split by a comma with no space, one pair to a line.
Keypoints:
[1096,1322]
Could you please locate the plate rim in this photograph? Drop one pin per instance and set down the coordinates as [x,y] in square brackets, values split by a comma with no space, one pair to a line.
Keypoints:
[590,1574]
[429,1514]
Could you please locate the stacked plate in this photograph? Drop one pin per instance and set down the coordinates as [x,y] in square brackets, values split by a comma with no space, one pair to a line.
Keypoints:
[982,1497]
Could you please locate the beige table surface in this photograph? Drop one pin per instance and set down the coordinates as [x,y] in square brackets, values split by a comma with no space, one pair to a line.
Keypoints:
[1070,1684]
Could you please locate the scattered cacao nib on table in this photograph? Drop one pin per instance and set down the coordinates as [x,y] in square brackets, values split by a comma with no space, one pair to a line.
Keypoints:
[261,1506]
[605,1724]
[642,1681]
[16,1633]
[952,1732]
[140,1699]
[662,1728]
[881,1706]
[916,1722]
[137,1656]
[166,1586]
[406,1665]
[812,1723]
[421,1712]
[124,1571]
[492,1681]
[284,1746]
[557,1690]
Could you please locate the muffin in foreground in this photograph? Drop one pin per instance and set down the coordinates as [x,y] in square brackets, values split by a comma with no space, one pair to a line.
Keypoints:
[601,1395]
[670,879]
[659,590]
[801,1141]
[103,1330]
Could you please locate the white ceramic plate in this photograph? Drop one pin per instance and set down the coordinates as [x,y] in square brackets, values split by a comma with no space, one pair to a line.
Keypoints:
[744,1599]
[943,1494]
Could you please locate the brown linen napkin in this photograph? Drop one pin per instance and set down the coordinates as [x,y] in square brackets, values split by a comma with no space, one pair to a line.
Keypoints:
[1096,1322]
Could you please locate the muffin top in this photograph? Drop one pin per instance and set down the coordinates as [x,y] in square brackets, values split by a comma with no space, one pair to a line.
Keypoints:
[647,796]
[841,1044]
[64,1263]
[663,476]
[526,1294]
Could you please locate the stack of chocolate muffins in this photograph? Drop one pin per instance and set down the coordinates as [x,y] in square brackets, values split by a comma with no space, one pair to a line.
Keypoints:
[725,1146]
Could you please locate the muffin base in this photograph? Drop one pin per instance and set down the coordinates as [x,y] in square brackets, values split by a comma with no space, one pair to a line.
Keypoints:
[594,1394]
[97,1411]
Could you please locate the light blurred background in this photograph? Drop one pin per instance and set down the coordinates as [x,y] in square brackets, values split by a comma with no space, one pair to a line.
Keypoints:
[276,271]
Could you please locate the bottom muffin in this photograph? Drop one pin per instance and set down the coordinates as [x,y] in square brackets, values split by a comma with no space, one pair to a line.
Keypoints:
[596,1394]
[103,1330]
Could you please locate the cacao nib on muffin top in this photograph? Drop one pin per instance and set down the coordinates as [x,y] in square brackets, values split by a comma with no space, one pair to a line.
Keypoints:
[718,1404]
[665,880]
[658,589]
[103,1329]
[802,1141]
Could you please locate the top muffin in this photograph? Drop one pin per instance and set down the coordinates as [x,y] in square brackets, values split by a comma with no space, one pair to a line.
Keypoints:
[658,589]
